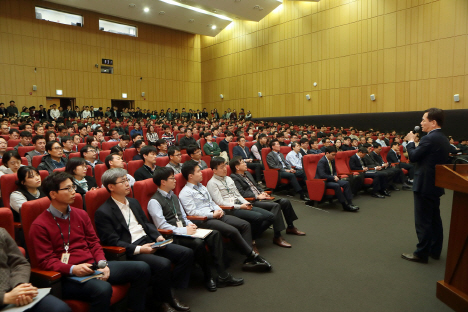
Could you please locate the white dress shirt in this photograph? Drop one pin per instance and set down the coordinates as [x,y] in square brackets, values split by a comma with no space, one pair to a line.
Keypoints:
[224,192]
[197,200]
[294,159]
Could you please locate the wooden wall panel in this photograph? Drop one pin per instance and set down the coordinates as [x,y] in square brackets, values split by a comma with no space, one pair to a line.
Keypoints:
[169,61]
[410,53]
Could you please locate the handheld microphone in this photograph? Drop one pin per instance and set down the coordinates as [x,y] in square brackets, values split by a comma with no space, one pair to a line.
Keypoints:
[417,128]
[100,265]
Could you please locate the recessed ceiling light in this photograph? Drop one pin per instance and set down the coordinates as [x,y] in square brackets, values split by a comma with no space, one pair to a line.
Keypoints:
[213,27]
[132,5]
[191,20]
[146,10]
[162,13]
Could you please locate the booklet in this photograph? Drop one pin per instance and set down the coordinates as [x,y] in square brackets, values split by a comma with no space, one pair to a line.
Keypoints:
[162,244]
[83,279]
[200,233]
[42,292]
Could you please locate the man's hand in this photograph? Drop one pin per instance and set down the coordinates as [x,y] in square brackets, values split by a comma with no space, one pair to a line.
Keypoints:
[247,160]
[246,206]
[410,136]
[365,168]
[263,196]
[217,214]
[106,272]
[191,229]
[20,295]
[336,178]
[83,269]
[292,171]
[147,249]
[160,239]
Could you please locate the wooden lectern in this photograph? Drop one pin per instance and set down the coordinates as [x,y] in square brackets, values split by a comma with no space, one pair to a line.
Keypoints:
[453,290]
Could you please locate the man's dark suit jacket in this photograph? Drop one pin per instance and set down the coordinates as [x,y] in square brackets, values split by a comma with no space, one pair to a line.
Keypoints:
[237,151]
[393,157]
[143,173]
[323,170]
[377,158]
[274,163]
[433,150]
[346,147]
[243,187]
[112,228]
[354,163]
[369,162]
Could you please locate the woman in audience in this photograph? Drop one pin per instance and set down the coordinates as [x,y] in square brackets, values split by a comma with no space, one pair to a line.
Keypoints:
[91,140]
[11,162]
[29,188]
[50,136]
[106,127]
[151,135]
[24,112]
[339,146]
[154,115]
[77,168]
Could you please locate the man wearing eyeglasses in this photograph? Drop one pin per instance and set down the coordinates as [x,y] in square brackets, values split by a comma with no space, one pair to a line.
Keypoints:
[64,241]
[90,155]
[138,235]
[175,159]
[55,158]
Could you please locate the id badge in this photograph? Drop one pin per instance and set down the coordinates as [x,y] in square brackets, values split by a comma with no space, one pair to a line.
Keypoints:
[179,224]
[65,258]
[231,201]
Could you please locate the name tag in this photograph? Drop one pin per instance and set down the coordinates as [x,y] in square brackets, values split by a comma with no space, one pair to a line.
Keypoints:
[179,224]
[65,258]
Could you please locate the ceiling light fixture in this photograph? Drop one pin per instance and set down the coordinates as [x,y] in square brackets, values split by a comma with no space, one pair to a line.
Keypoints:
[196,9]
[132,5]
[162,13]
[213,27]
[146,10]
[191,20]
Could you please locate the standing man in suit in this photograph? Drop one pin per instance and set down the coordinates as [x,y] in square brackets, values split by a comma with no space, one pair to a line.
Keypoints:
[275,160]
[326,170]
[433,149]
[120,221]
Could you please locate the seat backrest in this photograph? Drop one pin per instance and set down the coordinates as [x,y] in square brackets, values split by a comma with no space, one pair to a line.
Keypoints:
[403,157]
[162,161]
[180,183]
[8,186]
[6,221]
[265,152]
[98,172]
[384,152]
[144,190]
[103,154]
[81,145]
[249,145]
[22,150]
[309,163]
[202,143]
[285,150]
[12,143]
[129,153]
[133,166]
[108,145]
[231,148]
[341,163]
[207,175]
[94,199]
[71,155]
[30,211]
[36,160]
[219,139]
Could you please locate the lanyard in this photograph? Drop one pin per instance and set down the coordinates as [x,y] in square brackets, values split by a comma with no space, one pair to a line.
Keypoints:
[173,207]
[227,187]
[67,245]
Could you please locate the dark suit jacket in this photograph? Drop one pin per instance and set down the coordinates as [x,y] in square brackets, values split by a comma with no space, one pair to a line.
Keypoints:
[274,163]
[354,163]
[369,162]
[393,157]
[243,187]
[112,228]
[323,170]
[237,151]
[433,150]
[377,158]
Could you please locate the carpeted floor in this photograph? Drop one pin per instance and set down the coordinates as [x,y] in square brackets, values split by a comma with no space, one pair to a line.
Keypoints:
[346,262]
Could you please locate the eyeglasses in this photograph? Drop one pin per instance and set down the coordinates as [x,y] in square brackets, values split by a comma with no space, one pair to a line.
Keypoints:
[177,155]
[171,178]
[70,189]
[123,181]
[57,148]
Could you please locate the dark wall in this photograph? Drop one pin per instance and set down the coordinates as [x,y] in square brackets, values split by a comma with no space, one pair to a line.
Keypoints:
[456,121]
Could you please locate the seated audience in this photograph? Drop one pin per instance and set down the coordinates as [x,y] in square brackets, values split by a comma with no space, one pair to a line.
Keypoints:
[326,170]
[151,135]
[3,146]
[14,134]
[195,154]
[224,144]
[168,136]
[68,145]
[175,158]
[114,160]
[55,158]
[243,151]
[148,153]
[114,136]
[173,217]
[25,139]
[261,143]
[48,233]
[29,188]
[211,148]
[399,176]
[304,142]
[138,238]
[136,129]
[161,146]
[187,139]
[39,148]
[379,184]
[77,168]
[197,201]
[138,145]
[314,147]
[89,154]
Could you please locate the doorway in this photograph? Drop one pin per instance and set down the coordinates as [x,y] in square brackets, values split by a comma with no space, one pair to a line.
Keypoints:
[121,104]
[60,102]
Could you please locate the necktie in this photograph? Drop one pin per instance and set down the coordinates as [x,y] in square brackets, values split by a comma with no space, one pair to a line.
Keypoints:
[331,168]
[362,164]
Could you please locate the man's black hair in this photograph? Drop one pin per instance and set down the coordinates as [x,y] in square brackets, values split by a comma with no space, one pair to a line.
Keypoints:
[53,181]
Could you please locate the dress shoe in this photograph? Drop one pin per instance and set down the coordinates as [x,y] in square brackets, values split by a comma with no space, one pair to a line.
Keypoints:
[386,193]
[305,197]
[406,187]
[350,208]
[377,195]
[229,281]
[179,306]
[412,257]
[165,307]
[210,285]
[393,187]
[294,231]
[281,242]
[354,206]
[256,264]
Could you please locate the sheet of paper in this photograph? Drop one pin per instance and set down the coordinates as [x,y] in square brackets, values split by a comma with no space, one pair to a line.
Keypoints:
[42,292]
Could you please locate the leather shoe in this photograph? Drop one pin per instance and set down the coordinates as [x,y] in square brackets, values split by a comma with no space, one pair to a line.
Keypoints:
[294,231]
[165,307]
[179,306]
[386,193]
[305,197]
[281,242]
[394,188]
[350,208]
[354,206]
[256,264]
[229,281]
[412,257]
[377,195]
[210,285]
[406,187]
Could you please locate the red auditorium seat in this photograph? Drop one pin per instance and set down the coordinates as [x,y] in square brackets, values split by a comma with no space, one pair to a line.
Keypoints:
[315,187]
[108,145]
[133,166]
[162,161]
[36,160]
[103,154]
[22,150]
[129,153]
[12,143]
[6,222]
